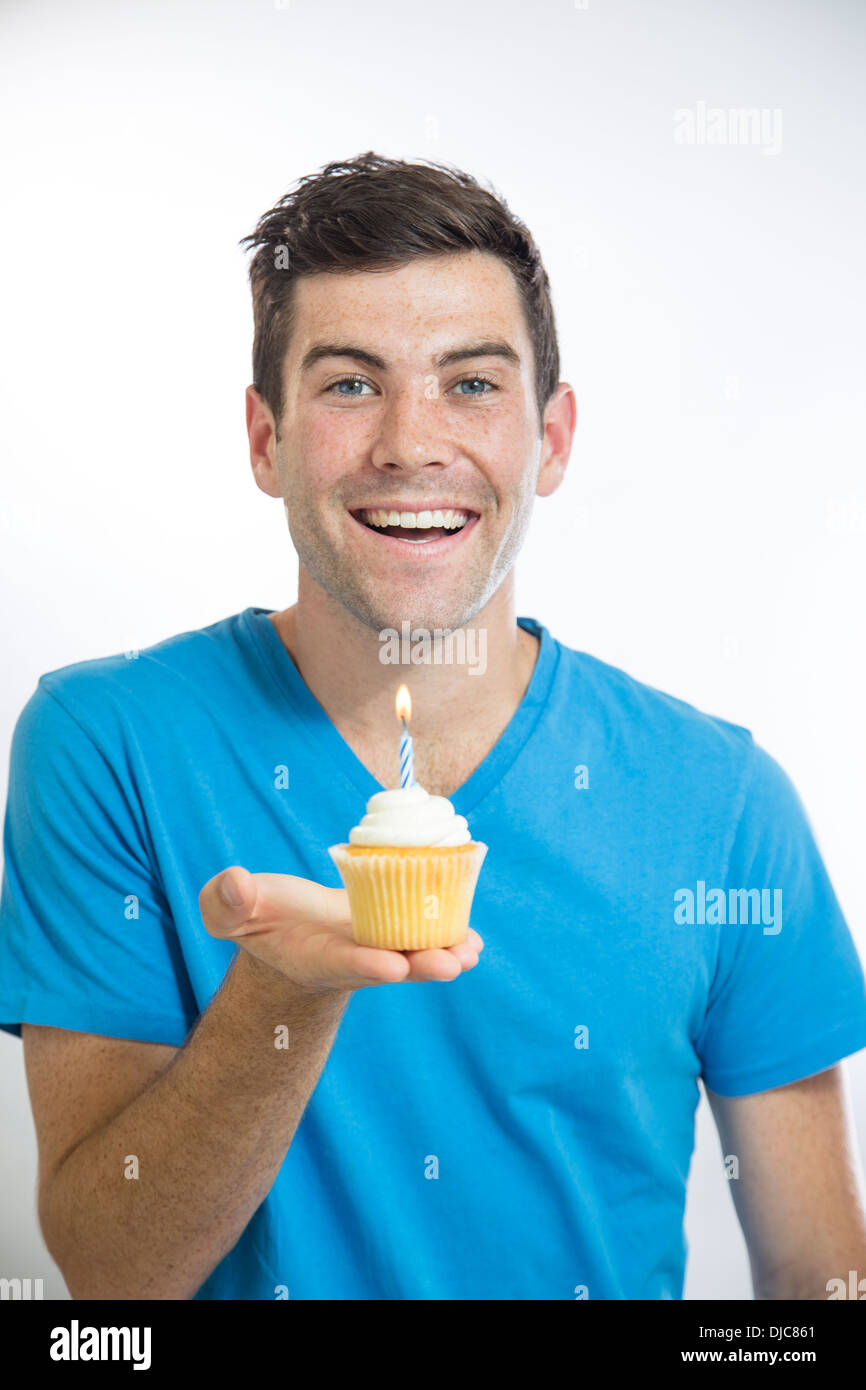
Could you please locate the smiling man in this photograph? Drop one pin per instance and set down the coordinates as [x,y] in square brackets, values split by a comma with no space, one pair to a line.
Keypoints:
[408,459]
[235,1100]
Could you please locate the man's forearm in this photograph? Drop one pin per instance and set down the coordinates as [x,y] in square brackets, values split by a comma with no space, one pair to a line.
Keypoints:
[845,1280]
[833,1268]
[204,1141]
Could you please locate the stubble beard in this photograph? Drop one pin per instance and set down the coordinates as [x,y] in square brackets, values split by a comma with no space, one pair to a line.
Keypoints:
[424,606]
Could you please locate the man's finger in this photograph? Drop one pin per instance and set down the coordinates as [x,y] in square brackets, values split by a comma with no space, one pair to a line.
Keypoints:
[236,901]
[227,901]
[287,899]
[434,963]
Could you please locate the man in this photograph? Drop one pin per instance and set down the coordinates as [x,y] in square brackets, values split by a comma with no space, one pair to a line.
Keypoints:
[232,1098]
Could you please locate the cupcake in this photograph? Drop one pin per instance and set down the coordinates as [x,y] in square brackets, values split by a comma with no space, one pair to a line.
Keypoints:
[410,869]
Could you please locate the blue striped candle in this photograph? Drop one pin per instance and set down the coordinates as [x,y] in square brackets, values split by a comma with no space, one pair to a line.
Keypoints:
[403,711]
[407,759]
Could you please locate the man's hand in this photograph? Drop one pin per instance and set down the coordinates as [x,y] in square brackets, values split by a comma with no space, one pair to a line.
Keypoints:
[303,930]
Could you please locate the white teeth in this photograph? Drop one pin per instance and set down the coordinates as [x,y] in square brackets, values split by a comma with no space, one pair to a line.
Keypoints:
[449,518]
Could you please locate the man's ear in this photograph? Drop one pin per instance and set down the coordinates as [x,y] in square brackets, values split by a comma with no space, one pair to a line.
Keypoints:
[262,432]
[560,422]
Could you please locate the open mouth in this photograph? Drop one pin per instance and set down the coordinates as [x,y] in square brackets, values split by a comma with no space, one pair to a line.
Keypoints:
[422,527]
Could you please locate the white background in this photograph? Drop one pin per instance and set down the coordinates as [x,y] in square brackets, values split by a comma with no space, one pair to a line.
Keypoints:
[709,538]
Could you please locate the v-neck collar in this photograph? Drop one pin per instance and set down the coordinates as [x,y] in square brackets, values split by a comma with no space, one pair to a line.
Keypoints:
[340,757]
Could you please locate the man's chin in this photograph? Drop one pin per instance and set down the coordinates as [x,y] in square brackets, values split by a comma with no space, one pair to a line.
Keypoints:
[406,621]
[391,607]
[404,611]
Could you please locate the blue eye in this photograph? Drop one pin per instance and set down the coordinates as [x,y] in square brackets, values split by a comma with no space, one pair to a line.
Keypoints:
[353,381]
[471,380]
[348,381]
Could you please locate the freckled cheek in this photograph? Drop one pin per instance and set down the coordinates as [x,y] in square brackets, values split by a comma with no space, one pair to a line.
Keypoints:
[502,446]
[327,445]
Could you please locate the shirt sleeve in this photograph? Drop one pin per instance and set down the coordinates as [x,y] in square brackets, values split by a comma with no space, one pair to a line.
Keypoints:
[87,941]
[788,998]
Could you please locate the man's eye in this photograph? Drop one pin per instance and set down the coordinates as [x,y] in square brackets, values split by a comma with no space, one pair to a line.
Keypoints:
[347,381]
[479,381]
[352,382]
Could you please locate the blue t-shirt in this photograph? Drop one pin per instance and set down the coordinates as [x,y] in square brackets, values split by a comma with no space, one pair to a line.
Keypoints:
[653,906]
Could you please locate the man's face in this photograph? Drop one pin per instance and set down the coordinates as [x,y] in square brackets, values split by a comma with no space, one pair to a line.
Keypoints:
[403,430]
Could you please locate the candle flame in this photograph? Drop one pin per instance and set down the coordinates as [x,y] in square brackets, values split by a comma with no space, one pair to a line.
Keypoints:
[403,703]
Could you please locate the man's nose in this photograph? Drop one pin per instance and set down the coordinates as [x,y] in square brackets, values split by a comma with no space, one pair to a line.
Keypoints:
[412,433]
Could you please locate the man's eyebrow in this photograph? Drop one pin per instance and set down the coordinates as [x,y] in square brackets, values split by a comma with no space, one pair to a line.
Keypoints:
[489,347]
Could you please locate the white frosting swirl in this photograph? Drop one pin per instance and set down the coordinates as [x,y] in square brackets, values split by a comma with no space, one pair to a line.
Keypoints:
[410,816]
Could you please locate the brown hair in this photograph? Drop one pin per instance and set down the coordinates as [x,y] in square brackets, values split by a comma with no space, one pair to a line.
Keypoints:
[373,213]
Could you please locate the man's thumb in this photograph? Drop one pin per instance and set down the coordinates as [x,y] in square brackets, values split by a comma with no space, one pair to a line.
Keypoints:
[222,898]
[231,894]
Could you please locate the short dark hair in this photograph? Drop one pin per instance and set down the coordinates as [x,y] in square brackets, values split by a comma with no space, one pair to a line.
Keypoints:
[373,213]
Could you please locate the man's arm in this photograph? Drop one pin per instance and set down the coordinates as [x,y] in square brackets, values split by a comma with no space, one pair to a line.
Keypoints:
[153,1160]
[799,1195]
[208,1133]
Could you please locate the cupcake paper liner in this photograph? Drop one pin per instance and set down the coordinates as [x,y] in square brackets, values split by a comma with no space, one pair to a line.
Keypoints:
[409,898]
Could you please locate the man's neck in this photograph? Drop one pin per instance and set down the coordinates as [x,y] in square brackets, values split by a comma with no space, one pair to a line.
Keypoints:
[459,710]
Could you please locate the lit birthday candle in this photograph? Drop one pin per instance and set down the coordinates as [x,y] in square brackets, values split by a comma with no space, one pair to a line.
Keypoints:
[403,706]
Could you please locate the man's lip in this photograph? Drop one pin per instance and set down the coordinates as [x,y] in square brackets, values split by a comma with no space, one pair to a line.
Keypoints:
[415,507]
[416,549]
